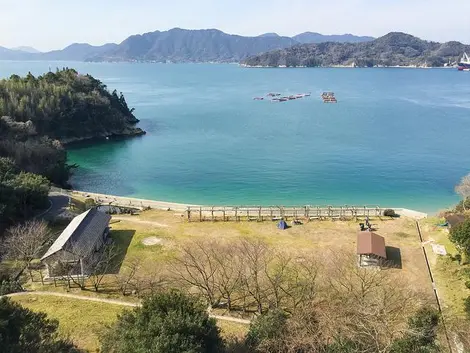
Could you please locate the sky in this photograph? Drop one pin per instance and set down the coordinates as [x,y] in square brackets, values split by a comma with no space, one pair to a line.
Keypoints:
[54,24]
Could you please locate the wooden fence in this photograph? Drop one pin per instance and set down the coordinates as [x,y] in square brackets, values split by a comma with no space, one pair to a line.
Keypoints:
[273,213]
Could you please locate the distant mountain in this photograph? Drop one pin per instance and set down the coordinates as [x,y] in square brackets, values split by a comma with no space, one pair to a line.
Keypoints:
[27,50]
[393,49]
[269,49]
[269,35]
[313,37]
[8,54]
[77,52]
[180,45]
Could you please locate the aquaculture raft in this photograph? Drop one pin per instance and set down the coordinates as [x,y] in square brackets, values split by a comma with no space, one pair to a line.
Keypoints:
[329,97]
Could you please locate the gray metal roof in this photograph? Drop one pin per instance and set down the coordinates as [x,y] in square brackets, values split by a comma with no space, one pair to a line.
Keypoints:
[82,233]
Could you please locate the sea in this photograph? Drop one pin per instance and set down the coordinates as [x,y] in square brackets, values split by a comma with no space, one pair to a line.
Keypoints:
[396,138]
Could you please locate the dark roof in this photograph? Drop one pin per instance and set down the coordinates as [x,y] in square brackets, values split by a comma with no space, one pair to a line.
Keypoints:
[369,243]
[455,219]
[80,236]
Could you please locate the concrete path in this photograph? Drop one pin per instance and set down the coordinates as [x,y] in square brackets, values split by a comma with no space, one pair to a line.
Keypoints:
[59,203]
[113,301]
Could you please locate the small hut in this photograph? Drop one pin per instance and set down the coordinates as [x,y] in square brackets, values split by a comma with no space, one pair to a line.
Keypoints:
[370,249]
[75,250]
[454,219]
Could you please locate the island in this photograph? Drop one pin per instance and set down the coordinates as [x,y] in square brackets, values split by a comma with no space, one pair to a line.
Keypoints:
[392,50]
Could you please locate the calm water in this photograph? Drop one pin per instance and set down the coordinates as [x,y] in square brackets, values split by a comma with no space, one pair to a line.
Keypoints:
[397,137]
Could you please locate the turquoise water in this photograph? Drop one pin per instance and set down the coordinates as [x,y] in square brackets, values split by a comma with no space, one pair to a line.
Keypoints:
[397,137]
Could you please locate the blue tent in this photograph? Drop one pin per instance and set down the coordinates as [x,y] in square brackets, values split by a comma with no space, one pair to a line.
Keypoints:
[282,225]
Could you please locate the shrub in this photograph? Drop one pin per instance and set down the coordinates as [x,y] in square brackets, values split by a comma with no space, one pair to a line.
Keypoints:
[166,322]
[467,306]
[467,284]
[390,213]
[9,286]
[267,330]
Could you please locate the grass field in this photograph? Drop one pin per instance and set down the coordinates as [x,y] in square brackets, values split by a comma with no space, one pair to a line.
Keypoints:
[83,321]
[317,237]
[78,319]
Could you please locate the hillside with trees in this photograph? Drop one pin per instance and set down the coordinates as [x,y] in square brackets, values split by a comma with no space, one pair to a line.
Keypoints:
[393,49]
[38,115]
[180,45]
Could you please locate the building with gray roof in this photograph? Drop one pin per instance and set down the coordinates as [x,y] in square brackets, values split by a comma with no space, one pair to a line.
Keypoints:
[75,250]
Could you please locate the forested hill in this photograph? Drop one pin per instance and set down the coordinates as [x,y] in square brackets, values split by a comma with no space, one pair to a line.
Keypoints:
[180,45]
[393,49]
[38,115]
[66,106]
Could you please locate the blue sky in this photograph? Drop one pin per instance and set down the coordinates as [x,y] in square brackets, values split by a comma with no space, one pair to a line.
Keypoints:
[54,24]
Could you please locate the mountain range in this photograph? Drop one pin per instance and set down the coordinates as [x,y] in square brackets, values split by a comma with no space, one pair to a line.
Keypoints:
[177,45]
[393,49]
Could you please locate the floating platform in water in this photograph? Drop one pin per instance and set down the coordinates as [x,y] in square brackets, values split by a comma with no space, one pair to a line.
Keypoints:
[329,97]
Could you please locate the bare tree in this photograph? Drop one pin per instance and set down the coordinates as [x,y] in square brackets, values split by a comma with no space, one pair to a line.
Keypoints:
[197,268]
[23,241]
[366,305]
[253,253]
[103,264]
[463,189]
[228,278]
[126,278]
[277,267]
[301,281]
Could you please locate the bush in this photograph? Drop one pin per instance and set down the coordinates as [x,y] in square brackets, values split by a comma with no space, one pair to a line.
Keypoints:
[467,306]
[467,284]
[267,330]
[460,236]
[9,286]
[390,213]
[166,322]
[460,206]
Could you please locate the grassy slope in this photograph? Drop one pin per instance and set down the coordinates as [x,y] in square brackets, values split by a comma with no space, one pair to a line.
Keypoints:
[448,275]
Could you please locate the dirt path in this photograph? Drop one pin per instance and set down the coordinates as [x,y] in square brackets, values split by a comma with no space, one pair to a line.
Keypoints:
[136,220]
[115,302]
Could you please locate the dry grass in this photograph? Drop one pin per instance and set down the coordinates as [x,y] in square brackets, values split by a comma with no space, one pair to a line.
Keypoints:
[319,237]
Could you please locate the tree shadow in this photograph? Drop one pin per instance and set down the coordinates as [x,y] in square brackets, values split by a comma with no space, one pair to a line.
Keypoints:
[393,257]
[121,239]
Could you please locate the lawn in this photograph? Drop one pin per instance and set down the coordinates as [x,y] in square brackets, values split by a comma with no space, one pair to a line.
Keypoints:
[78,319]
[83,321]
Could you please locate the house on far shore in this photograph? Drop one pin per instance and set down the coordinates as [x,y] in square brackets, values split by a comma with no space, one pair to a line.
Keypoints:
[370,249]
[76,249]
[454,219]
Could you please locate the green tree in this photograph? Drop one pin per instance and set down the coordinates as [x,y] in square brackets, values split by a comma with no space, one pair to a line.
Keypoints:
[460,236]
[22,330]
[169,322]
[268,331]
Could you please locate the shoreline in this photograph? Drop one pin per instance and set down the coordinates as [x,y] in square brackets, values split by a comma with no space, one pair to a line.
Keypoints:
[182,207]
